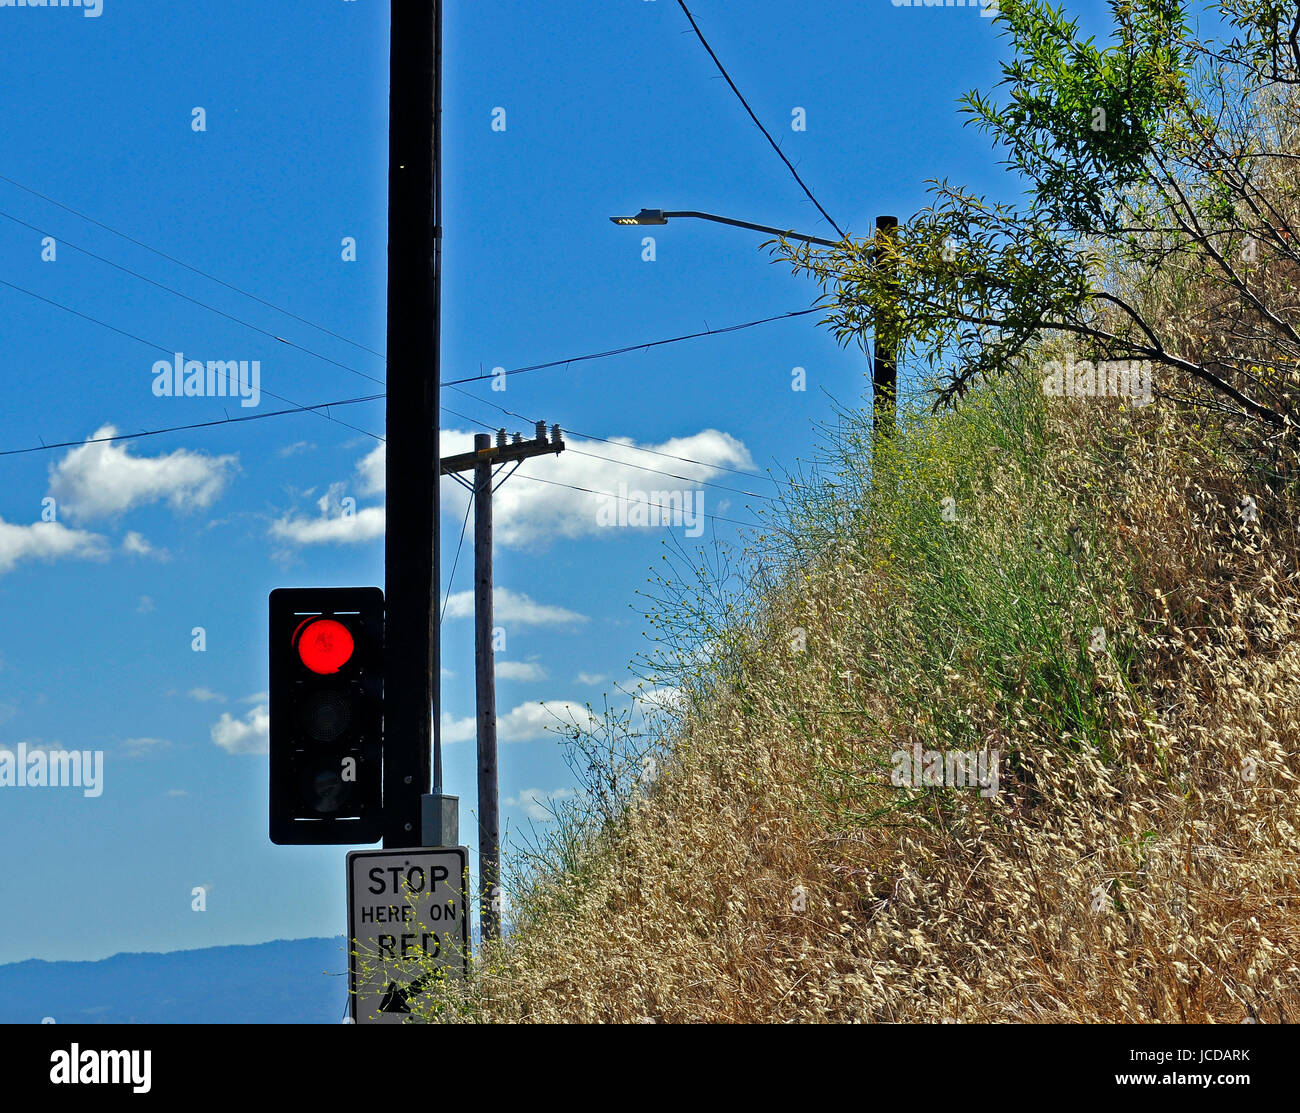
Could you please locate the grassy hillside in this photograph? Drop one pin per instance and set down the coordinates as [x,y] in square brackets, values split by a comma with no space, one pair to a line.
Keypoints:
[1094,600]
[1101,614]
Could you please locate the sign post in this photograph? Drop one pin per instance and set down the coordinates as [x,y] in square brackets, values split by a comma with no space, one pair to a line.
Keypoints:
[408,924]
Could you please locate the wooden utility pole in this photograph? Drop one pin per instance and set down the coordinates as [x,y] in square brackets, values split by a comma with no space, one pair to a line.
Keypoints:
[884,369]
[482,461]
[411,664]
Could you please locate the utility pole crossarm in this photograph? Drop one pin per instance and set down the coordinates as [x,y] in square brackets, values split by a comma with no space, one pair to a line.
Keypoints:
[503,453]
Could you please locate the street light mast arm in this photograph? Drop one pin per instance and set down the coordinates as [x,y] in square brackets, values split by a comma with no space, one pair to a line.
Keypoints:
[754,227]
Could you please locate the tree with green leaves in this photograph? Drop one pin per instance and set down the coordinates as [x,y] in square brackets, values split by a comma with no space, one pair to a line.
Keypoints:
[1161,218]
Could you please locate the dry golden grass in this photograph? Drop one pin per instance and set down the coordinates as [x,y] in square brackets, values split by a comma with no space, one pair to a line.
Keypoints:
[1138,862]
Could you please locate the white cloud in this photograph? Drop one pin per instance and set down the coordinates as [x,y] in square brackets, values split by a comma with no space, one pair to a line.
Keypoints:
[591,678]
[206,695]
[136,544]
[457,730]
[534,802]
[364,525]
[294,449]
[528,722]
[177,792]
[249,735]
[514,607]
[664,699]
[99,479]
[47,541]
[333,526]
[371,469]
[519,670]
[526,512]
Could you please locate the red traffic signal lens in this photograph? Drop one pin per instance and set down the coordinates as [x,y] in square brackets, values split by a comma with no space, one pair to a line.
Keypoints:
[325,645]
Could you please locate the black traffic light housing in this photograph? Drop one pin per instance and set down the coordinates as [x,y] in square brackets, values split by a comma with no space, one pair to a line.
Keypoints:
[327,715]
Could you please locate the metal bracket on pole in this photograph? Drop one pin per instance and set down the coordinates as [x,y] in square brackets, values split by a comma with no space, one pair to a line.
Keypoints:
[440,820]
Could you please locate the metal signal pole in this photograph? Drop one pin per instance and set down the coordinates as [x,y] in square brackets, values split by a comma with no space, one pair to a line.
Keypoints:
[411,658]
[482,461]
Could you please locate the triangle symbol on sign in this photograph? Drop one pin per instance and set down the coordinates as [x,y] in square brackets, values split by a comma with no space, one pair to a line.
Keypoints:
[394,1000]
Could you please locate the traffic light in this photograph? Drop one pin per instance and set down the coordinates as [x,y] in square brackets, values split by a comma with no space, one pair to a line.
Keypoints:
[327,715]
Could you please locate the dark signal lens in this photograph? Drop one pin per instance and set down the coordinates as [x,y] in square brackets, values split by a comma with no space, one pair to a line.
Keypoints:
[326,791]
[326,715]
[325,645]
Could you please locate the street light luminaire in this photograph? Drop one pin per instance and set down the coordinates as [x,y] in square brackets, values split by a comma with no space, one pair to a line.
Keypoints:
[645,216]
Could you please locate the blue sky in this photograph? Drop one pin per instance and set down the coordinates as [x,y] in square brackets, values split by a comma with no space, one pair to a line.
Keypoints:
[609,107]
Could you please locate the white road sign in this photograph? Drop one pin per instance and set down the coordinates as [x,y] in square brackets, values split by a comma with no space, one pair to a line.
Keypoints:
[408,920]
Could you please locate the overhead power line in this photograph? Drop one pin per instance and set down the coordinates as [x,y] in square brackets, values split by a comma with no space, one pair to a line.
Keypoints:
[451,580]
[619,443]
[453,384]
[673,475]
[722,70]
[322,328]
[373,398]
[296,408]
[620,498]
[628,464]
[55,445]
[195,425]
[172,351]
[187,266]
[634,347]
[193,301]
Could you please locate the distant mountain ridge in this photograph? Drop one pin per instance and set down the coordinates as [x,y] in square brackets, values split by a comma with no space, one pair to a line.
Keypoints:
[287,981]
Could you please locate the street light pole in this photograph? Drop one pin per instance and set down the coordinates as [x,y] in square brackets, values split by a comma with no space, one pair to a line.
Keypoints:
[884,364]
